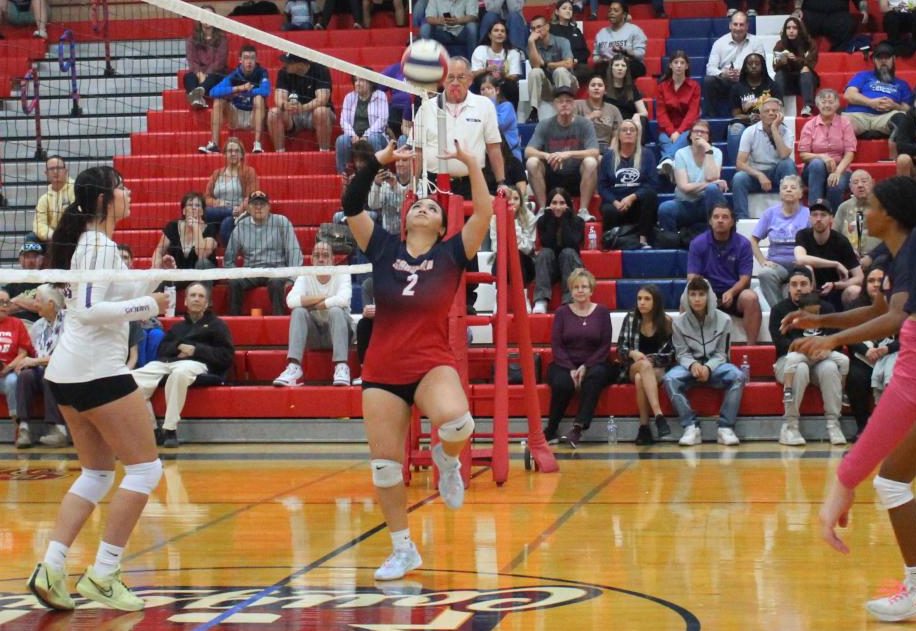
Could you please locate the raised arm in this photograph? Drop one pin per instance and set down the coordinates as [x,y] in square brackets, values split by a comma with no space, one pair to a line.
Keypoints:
[475,229]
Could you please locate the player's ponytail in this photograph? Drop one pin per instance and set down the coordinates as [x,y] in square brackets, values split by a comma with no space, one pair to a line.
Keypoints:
[94,191]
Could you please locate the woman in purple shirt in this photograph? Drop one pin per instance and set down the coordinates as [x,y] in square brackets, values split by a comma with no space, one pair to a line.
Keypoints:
[581,343]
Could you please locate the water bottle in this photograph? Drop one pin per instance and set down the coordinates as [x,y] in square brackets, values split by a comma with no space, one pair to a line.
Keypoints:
[611,430]
[592,238]
[746,369]
[172,293]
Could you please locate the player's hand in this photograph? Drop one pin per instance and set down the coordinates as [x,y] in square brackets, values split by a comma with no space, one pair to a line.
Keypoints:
[162,301]
[168,262]
[835,512]
[391,152]
[813,346]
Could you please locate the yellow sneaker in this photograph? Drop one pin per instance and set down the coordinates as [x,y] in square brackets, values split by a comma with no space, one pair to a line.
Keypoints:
[110,591]
[50,588]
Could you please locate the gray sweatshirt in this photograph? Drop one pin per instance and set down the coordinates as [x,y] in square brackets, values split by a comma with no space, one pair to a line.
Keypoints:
[707,342]
[630,36]
[270,244]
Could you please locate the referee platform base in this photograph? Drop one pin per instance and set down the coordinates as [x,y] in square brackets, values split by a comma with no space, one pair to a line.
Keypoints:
[346,430]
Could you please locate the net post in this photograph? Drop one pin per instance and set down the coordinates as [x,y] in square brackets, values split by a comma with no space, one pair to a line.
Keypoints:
[500,458]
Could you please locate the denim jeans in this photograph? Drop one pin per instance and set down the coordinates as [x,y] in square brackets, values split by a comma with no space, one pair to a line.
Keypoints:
[677,213]
[669,147]
[466,37]
[733,142]
[515,23]
[8,389]
[743,184]
[727,376]
[815,176]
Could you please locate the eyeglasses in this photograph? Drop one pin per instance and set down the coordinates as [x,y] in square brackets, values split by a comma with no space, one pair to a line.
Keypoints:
[5,303]
[700,131]
[57,168]
[456,77]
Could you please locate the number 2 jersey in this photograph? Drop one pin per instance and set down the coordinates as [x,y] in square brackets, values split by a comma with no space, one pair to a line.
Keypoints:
[412,297]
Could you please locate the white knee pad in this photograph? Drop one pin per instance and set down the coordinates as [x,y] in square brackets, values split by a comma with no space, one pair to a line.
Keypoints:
[458,430]
[386,473]
[142,478]
[892,493]
[93,485]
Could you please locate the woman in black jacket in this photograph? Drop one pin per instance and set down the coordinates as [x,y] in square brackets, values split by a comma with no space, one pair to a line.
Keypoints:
[561,233]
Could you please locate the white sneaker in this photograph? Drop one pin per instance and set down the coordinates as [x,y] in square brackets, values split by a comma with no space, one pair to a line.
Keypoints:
[451,485]
[835,433]
[401,561]
[256,147]
[900,606]
[341,375]
[692,436]
[358,381]
[40,34]
[789,435]
[292,376]
[210,147]
[540,306]
[666,168]
[726,436]
[585,215]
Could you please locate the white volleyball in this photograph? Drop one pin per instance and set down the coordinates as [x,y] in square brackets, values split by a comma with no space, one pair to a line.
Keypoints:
[425,62]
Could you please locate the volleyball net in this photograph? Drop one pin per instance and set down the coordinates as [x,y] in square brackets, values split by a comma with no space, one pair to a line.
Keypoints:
[109,87]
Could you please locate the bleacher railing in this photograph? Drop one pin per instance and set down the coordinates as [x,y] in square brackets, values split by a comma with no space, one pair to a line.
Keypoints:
[98,14]
[32,105]
[68,64]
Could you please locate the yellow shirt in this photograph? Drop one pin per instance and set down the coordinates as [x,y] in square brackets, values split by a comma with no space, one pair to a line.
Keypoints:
[50,208]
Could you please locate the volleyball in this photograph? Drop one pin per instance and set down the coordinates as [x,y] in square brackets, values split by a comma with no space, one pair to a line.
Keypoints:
[425,62]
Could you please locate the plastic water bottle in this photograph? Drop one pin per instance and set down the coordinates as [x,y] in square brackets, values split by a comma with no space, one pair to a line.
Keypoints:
[746,369]
[611,430]
[172,293]
[592,238]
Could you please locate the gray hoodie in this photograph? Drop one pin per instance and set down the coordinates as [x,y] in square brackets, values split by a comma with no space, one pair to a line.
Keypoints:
[706,343]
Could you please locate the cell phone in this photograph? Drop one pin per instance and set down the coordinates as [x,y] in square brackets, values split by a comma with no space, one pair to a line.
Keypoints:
[446,15]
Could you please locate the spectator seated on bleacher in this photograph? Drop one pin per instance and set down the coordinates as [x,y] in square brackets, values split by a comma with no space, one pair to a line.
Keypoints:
[143,337]
[207,52]
[677,108]
[796,370]
[627,184]
[794,61]
[827,146]
[875,97]
[604,116]
[361,153]
[330,6]
[733,6]
[302,100]
[365,325]
[452,23]
[51,204]
[400,14]
[779,224]
[620,37]
[765,156]
[752,90]
[299,15]
[240,99]
[625,96]
[26,13]
[699,186]
[494,89]
[262,239]
[900,25]
[726,259]
[23,304]
[364,116]
[850,216]
[724,66]
[563,151]
[498,59]
[564,25]
[581,343]
[50,431]
[190,241]
[320,319]
[561,234]
[509,12]
[552,65]
[524,235]
[646,351]
[701,337]
[15,345]
[829,253]
[228,189]
[386,196]
[200,345]
[831,19]
[905,138]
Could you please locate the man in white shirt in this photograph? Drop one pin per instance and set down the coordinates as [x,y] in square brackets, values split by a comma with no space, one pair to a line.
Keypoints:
[320,319]
[52,204]
[724,65]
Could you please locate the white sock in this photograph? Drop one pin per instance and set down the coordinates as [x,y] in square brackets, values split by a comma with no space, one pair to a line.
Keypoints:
[56,556]
[23,426]
[107,559]
[400,538]
[909,574]
[450,461]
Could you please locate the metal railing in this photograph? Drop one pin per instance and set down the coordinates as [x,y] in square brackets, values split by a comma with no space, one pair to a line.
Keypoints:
[69,65]
[98,14]
[32,105]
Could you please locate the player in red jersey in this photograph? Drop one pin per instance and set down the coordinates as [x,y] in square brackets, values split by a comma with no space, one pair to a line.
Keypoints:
[409,359]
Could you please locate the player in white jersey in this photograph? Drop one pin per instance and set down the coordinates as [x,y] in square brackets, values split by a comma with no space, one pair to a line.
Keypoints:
[99,399]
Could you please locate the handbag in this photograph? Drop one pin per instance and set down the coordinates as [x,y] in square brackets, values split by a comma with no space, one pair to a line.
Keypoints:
[515,369]
[624,237]
[338,236]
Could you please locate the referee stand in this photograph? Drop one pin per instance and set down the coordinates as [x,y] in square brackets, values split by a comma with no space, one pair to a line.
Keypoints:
[509,285]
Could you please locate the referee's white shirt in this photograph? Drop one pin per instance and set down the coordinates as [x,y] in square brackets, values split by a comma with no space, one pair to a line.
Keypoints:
[473,123]
[94,342]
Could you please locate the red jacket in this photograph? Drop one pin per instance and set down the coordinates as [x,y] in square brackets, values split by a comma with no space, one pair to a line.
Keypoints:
[13,336]
[676,111]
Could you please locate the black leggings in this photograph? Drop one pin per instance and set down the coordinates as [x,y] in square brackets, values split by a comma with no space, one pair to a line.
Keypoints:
[562,389]
[643,213]
[858,388]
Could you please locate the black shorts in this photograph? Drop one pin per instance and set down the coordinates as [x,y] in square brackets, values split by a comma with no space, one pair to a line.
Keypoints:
[564,179]
[88,395]
[405,391]
[732,309]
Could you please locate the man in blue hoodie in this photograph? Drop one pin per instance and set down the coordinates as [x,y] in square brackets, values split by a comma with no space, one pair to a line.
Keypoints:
[240,98]
[701,337]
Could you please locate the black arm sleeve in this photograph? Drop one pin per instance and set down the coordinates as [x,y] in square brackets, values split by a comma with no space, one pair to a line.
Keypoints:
[354,198]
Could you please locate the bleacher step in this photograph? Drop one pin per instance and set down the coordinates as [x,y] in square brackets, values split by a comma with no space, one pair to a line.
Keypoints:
[100,147]
[131,48]
[77,127]
[60,104]
[134,86]
[92,69]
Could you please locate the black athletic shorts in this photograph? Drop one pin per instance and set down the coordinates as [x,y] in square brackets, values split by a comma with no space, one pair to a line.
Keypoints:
[405,391]
[87,395]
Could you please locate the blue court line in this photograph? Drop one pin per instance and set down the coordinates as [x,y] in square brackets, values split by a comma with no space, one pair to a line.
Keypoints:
[316,563]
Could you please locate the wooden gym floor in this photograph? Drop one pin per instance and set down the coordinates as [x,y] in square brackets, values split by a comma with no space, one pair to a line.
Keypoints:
[286,537]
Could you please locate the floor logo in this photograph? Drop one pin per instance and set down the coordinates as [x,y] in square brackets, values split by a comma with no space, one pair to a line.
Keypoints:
[15,473]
